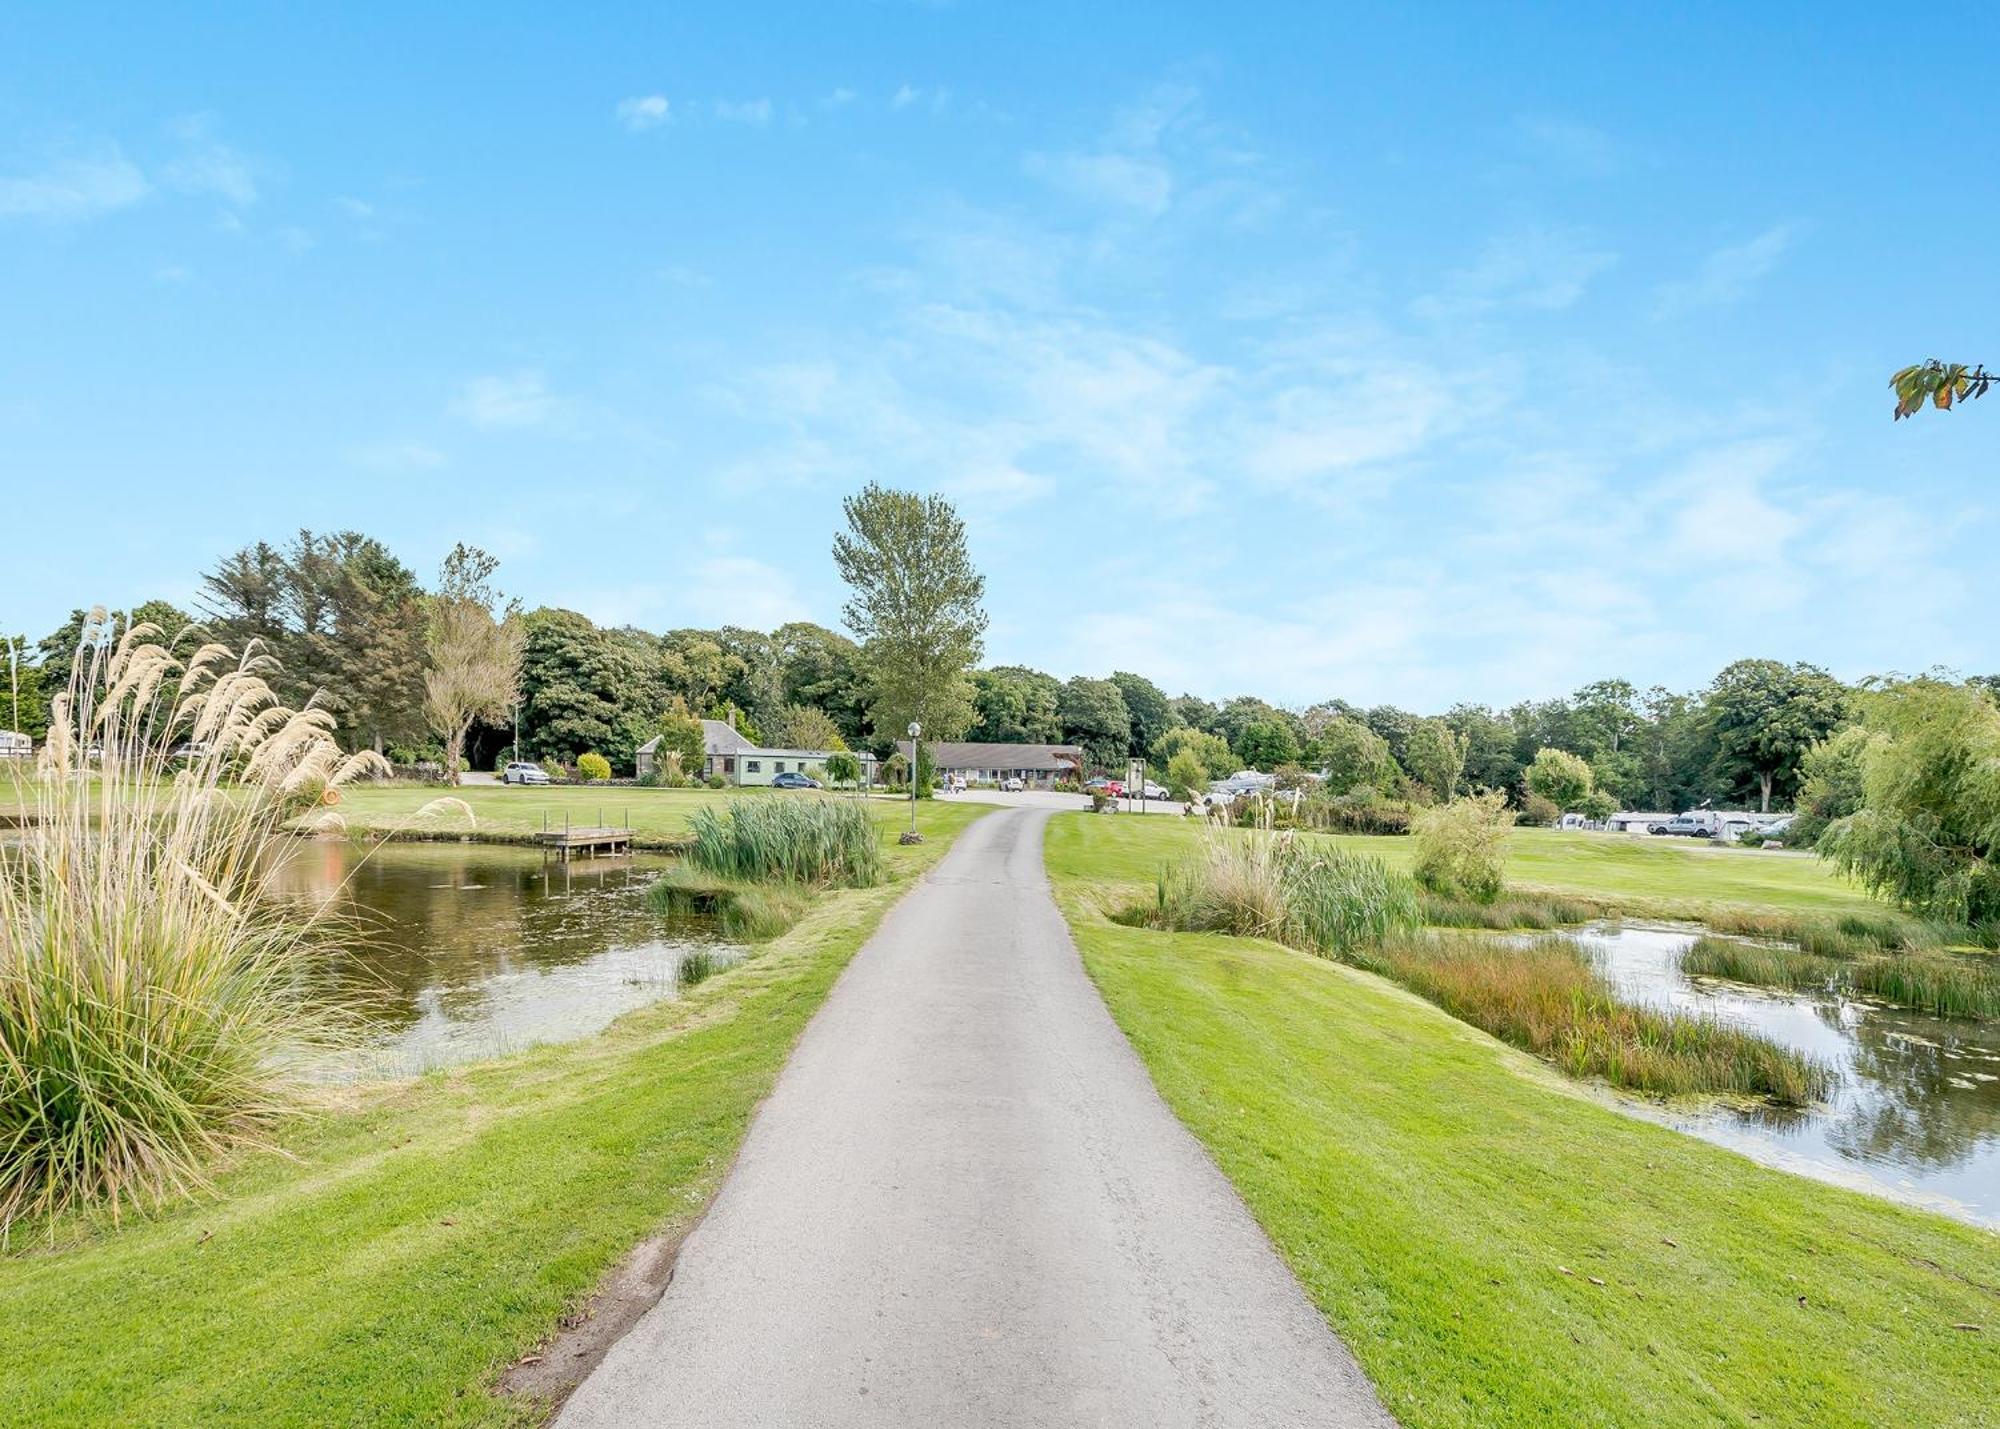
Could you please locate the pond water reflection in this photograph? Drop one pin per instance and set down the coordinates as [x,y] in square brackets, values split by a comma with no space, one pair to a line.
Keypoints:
[462,951]
[1915,1109]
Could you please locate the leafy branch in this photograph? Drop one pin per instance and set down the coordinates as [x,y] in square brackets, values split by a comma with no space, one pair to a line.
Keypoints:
[1940,384]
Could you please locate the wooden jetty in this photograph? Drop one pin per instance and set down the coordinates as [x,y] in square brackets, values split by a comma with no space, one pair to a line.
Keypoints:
[570,840]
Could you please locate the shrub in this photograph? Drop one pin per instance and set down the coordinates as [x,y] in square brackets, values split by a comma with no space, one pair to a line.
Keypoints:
[1359,811]
[151,995]
[593,768]
[809,840]
[843,768]
[1537,812]
[716,781]
[1561,778]
[1185,775]
[1461,847]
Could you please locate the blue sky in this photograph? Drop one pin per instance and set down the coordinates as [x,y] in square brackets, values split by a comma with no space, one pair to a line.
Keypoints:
[1393,353]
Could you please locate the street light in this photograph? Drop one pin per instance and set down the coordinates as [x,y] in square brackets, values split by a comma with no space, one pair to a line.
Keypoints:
[915,730]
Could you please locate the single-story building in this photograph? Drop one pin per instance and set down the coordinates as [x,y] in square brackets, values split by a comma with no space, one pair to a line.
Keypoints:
[1035,765]
[728,755]
[15,745]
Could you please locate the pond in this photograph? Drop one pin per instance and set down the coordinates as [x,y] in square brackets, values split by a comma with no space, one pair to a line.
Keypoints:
[463,951]
[1915,1109]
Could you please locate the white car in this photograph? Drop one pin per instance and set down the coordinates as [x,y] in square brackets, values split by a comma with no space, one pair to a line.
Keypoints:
[1150,790]
[1010,786]
[522,772]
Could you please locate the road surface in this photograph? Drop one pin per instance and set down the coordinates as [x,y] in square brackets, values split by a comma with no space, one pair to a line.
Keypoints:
[964,1204]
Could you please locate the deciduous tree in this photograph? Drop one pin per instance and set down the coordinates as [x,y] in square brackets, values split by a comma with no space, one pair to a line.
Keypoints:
[914,605]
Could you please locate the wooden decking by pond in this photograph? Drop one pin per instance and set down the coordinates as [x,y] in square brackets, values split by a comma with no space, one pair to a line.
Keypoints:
[568,841]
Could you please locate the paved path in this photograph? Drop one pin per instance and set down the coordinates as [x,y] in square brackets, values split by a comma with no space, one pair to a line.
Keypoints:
[964,1204]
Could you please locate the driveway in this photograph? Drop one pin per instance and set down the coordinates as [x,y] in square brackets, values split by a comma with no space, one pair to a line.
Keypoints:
[1043,799]
[964,1204]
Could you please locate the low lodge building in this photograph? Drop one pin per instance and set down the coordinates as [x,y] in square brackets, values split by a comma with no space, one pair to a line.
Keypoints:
[1037,766]
[727,755]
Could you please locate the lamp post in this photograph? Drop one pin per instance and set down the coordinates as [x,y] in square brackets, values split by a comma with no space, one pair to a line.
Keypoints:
[14,678]
[915,730]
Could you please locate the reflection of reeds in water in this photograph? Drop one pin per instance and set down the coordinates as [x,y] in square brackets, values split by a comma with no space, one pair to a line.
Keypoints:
[148,992]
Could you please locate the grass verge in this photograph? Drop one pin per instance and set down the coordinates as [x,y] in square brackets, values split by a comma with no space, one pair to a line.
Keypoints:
[426,1234]
[1451,1206]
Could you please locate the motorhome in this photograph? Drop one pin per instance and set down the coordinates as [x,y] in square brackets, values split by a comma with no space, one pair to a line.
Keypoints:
[16,746]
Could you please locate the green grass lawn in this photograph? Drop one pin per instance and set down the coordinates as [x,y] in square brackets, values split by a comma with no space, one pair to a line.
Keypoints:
[424,1235]
[1657,876]
[658,817]
[1431,1188]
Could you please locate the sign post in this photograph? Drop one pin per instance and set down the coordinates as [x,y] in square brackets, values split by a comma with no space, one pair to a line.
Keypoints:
[1135,778]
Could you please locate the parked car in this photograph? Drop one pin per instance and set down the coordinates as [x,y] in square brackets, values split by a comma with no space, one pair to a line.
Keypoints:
[520,771]
[1150,790]
[791,780]
[955,784]
[1010,785]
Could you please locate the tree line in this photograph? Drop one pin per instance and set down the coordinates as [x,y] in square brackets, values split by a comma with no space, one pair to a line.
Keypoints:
[421,673]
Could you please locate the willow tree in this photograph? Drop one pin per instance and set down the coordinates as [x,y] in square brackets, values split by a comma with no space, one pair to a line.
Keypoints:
[474,651]
[914,606]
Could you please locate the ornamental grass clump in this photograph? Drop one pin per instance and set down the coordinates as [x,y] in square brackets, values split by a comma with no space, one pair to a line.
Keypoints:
[150,988]
[791,839]
[1294,890]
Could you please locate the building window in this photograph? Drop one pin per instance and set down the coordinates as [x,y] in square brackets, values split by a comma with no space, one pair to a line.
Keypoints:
[778,766]
[753,766]
[729,766]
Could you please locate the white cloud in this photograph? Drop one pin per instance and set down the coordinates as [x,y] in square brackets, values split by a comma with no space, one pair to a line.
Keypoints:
[75,186]
[905,96]
[644,111]
[754,112]
[354,207]
[207,166]
[1539,269]
[1567,146]
[840,98]
[1143,184]
[507,400]
[400,457]
[1726,275]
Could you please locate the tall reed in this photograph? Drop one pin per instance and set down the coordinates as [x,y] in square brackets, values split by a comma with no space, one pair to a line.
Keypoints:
[1305,892]
[799,839]
[1547,998]
[148,984]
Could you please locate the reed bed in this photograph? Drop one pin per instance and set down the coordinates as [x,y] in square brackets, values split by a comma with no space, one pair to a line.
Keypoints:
[797,840]
[1941,984]
[751,912]
[1761,964]
[149,988]
[1514,912]
[1547,998]
[1322,900]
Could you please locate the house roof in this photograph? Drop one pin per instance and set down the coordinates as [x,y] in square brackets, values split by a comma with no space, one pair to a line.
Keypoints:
[720,737]
[1006,756]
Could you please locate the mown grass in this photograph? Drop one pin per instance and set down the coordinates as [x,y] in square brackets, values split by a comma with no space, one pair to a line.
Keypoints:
[424,1235]
[823,840]
[1450,1205]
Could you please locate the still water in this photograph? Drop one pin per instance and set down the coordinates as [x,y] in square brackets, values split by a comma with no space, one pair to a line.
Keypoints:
[1915,1109]
[463,951]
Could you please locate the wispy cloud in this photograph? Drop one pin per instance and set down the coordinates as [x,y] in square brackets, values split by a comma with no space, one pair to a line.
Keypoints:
[75,185]
[508,400]
[1727,275]
[207,166]
[644,111]
[754,112]
[399,457]
[1567,146]
[1544,269]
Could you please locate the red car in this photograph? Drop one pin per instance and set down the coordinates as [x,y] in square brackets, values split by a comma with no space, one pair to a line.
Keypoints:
[1110,788]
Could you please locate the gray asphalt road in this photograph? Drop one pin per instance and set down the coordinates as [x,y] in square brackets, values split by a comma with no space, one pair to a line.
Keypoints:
[964,1204]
